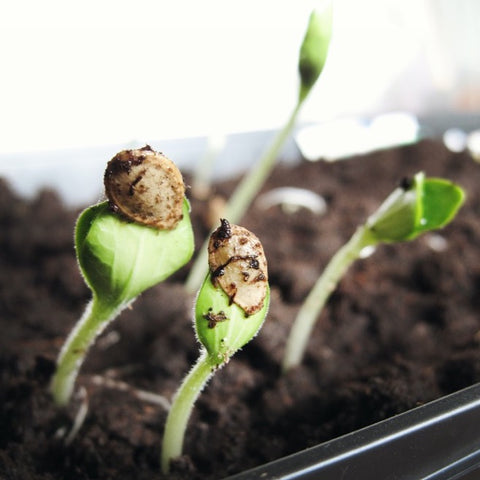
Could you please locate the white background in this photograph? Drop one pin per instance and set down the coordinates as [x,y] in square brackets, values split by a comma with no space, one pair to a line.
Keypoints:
[88,73]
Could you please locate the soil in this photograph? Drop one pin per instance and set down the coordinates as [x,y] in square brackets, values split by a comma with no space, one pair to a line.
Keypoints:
[401,329]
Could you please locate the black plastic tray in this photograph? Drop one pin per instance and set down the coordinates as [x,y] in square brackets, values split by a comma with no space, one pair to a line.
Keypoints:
[437,441]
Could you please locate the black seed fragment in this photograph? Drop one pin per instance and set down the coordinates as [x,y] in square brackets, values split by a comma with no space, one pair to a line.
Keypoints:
[214,318]
[131,190]
[224,231]
[254,263]
[406,183]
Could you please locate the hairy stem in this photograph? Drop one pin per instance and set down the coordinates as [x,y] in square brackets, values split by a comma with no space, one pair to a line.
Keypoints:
[244,194]
[96,317]
[182,407]
[316,299]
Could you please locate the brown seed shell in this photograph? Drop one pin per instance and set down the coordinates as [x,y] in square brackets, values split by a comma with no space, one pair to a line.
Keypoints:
[146,187]
[238,264]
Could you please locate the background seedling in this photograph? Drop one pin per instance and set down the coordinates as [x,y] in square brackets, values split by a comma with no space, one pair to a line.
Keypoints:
[417,206]
[120,258]
[229,311]
[312,58]
[202,178]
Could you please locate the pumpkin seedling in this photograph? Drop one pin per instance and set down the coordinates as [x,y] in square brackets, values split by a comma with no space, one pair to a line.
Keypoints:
[229,311]
[417,206]
[312,58]
[125,245]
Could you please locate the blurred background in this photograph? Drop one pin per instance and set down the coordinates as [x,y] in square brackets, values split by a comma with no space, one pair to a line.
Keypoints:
[81,80]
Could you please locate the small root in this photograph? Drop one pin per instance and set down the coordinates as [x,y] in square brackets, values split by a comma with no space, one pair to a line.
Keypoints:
[143,395]
[79,417]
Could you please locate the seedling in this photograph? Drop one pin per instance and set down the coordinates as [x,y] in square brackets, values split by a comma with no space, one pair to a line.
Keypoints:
[124,246]
[417,206]
[312,58]
[229,311]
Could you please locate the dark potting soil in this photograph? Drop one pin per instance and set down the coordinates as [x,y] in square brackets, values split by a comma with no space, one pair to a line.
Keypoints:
[401,329]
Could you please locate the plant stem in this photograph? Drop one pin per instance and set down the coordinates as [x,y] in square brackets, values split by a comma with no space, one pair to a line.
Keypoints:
[316,299]
[203,173]
[252,182]
[182,407]
[96,317]
[243,195]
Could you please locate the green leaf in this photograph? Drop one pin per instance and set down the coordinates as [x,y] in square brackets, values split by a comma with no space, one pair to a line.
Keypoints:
[120,259]
[395,220]
[222,326]
[314,48]
[441,199]
[427,204]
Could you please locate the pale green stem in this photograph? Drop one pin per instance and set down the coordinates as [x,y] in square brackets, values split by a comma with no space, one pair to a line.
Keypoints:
[203,172]
[252,182]
[316,299]
[182,407]
[96,317]
[243,195]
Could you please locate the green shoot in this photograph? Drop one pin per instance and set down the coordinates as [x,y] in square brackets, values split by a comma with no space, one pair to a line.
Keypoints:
[418,206]
[314,49]
[230,309]
[312,58]
[118,258]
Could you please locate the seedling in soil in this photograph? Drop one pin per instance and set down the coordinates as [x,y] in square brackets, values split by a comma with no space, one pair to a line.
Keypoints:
[230,309]
[312,58]
[417,206]
[125,245]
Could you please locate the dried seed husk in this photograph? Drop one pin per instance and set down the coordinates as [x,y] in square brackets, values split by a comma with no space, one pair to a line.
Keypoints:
[146,187]
[238,265]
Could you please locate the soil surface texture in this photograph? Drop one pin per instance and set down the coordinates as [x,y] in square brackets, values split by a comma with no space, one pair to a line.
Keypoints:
[401,329]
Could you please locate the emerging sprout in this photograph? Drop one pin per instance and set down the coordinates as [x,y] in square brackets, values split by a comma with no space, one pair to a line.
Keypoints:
[118,258]
[312,58]
[314,49]
[231,307]
[417,206]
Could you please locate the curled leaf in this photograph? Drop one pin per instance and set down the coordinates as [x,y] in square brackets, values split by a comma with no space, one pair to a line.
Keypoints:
[417,206]
[121,259]
[221,326]
[234,298]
